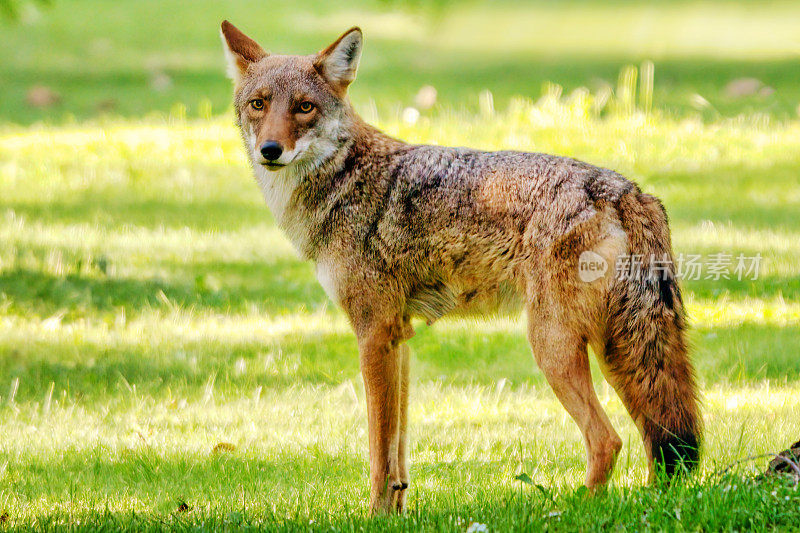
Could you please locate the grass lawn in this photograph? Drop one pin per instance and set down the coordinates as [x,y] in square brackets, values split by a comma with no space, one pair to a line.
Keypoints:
[166,360]
[151,311]
[135,58]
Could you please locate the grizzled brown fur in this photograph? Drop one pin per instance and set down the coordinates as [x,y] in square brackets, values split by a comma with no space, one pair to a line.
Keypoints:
[398,231]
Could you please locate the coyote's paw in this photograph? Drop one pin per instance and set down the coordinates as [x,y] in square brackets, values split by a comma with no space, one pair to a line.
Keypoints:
[391,499]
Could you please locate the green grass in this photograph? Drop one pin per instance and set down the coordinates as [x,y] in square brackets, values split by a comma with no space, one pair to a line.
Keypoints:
[103,57]
[150,309]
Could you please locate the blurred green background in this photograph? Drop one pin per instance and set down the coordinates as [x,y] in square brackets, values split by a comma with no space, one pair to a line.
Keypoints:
[130,59]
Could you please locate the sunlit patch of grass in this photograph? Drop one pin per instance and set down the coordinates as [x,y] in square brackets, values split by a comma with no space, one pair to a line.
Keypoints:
[727,313]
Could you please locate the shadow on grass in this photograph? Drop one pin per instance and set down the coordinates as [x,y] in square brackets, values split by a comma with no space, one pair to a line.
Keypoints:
[279,287]
[317,491]
[116,211]
[98,367]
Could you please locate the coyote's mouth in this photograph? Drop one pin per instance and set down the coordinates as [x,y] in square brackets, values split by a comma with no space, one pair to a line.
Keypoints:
[274,165]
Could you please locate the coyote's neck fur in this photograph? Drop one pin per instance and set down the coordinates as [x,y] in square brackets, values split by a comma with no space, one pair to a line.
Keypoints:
[296,194]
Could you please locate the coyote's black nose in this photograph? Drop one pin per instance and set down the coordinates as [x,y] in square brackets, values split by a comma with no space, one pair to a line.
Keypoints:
[271,150]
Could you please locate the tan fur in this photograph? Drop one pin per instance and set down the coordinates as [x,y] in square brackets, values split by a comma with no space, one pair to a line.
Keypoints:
[400,231]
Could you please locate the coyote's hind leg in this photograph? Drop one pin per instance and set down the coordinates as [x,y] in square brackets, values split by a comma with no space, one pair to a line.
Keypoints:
[561,354]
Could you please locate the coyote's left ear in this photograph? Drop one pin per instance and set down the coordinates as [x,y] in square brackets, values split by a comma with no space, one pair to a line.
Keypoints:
[240,50]
[338,62]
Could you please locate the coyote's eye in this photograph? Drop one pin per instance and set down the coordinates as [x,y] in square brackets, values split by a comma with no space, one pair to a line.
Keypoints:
[257,104]
[306,107]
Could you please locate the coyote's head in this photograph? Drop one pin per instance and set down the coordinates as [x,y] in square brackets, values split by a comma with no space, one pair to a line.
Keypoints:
[292,110]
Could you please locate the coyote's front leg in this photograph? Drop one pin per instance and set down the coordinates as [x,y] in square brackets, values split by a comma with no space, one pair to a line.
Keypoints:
[380,360]
[402,446]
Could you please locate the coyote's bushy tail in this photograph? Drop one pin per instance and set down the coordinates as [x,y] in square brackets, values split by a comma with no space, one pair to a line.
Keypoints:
[646,350]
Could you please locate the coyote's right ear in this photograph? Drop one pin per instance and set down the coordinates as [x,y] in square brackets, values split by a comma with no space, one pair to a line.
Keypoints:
[240,50]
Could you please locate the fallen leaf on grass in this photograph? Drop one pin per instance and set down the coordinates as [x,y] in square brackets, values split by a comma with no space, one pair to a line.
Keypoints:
[223,447]
[743,87]
[786,462]
[525,478]
[107,105]
[41,97]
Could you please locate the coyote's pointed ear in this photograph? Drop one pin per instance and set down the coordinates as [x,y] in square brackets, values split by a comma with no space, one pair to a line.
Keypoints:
[240,50]
[338,62]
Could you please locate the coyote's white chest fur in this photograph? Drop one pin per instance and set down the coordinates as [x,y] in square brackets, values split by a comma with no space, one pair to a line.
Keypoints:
[278,189]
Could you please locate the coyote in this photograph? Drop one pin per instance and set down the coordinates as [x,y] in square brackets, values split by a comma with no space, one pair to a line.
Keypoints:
[400,231]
